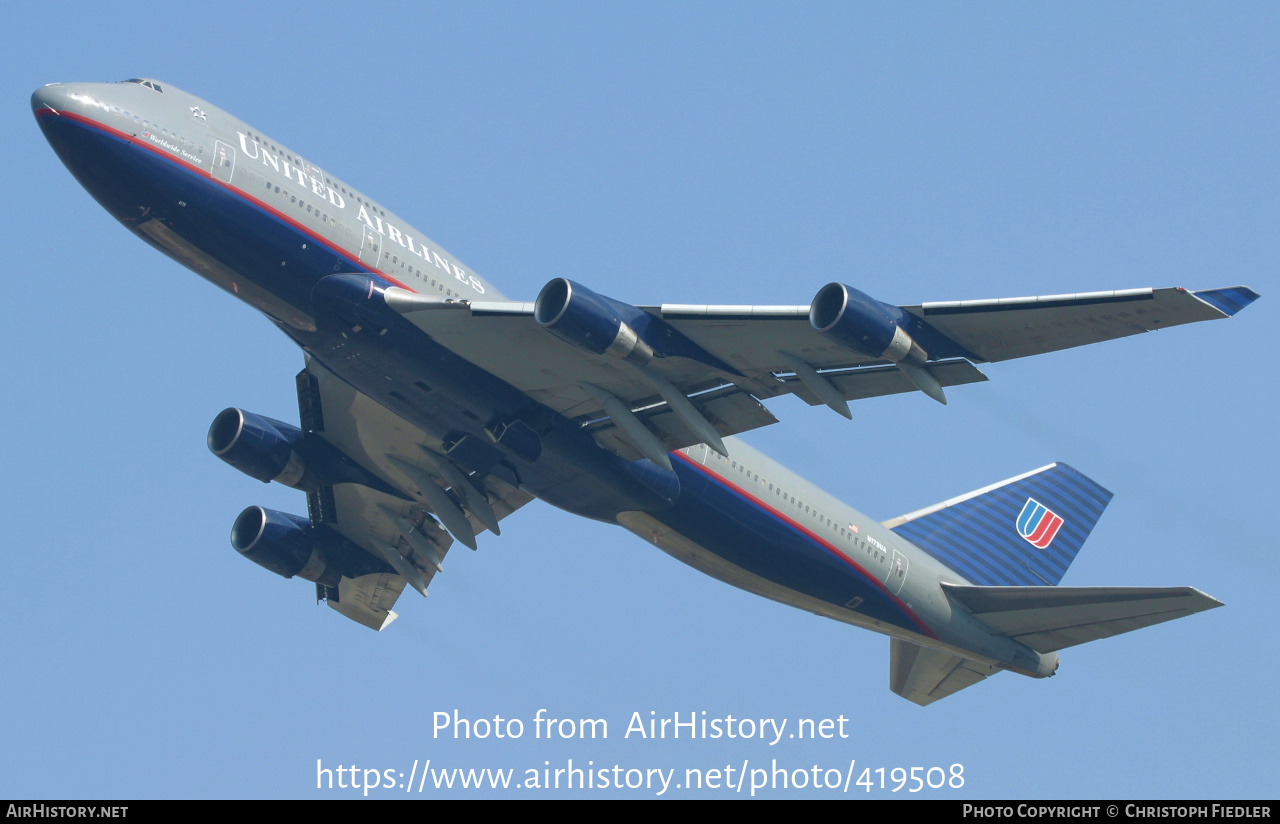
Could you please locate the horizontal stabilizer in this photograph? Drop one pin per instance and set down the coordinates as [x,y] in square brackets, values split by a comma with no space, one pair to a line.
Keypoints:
[1053,618]
[923,675]
[1024,531]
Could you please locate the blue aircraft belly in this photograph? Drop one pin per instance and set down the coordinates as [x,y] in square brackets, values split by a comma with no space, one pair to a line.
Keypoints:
[743,530]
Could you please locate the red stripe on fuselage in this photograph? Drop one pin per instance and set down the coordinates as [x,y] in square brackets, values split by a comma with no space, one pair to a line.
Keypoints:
[206,175]
[803,530]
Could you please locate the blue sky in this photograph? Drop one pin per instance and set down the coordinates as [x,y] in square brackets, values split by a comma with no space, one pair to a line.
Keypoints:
[708,153]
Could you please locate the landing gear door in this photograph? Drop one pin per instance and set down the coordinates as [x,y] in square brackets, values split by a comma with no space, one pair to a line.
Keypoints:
[224,161]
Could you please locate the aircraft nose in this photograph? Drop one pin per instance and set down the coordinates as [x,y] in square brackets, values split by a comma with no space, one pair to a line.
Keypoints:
[54,96]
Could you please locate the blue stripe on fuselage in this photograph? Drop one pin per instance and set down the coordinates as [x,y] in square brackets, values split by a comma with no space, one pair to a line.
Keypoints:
[727,520]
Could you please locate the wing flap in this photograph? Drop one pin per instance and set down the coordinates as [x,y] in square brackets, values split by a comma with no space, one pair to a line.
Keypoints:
[1053,618]
[728,409]
[368,599]
[874,381]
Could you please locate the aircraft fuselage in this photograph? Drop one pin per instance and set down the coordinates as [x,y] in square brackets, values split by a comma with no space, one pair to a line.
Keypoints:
[315,254]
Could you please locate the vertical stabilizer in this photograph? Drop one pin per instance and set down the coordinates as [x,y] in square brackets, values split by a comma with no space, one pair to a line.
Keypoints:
[1024,531]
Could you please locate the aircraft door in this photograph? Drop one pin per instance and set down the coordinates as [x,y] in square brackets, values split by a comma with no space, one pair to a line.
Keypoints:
[370,246]
[897,572]
[224,161]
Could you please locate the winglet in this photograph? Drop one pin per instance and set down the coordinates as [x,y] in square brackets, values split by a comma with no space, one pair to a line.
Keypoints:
[1228,301]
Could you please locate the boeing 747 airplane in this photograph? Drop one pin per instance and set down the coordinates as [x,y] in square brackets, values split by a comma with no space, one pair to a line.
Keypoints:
[432,407]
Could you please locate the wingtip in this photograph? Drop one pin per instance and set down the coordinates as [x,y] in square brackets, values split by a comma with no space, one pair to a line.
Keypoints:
[1210,601]
[1228,301]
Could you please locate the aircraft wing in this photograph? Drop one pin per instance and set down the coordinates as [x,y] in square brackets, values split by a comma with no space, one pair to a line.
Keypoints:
[728,357]
[997,330]
[504,339]
[404,531]
[979,330]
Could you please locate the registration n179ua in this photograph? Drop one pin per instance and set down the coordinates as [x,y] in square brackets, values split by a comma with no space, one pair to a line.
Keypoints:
[432,407]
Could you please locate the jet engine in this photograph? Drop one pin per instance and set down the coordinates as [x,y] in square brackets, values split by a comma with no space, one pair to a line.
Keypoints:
[272,450]
[283,543]
[258,446]
[869,327]
[589,321]
[289,546]
[603,326]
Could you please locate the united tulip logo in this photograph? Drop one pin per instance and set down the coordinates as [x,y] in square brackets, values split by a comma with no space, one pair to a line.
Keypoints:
[1038,524]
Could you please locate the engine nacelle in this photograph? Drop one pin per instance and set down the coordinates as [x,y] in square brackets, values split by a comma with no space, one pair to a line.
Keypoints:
[289,546]
[859,322]
[260,447]
[589,321]
[604,326]
[283,543]
[272,450]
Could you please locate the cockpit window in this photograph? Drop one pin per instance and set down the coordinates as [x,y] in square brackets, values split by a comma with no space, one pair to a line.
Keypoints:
[150,84]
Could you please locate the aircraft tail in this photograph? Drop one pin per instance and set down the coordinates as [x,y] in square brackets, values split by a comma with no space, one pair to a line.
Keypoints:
[1024,531]
[1014,540]
[1048,619]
